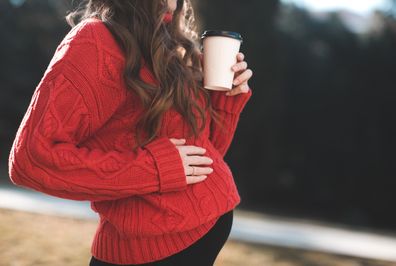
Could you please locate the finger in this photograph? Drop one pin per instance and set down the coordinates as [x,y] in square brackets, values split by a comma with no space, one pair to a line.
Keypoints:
[195,170]
[195,178]
[243,88]
[177,141]
[191,149]
[245,76]
[198,160]
[240,66]
[240,56]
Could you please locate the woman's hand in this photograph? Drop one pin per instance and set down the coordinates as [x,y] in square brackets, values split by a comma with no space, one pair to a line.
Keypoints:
[191,156]
[242,76]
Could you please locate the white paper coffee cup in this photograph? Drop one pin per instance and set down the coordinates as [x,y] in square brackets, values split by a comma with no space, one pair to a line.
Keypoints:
[220,50]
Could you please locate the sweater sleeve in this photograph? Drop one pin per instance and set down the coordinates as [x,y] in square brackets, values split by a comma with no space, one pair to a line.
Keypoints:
[68,106]
[229,108]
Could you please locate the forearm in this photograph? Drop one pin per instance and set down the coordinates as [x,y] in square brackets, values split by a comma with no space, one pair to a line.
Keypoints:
[92,174]
[229,108]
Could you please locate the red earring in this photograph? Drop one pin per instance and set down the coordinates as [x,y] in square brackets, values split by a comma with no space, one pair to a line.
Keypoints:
[168,17]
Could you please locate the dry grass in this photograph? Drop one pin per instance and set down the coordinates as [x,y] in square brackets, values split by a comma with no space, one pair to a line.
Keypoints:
[28,239]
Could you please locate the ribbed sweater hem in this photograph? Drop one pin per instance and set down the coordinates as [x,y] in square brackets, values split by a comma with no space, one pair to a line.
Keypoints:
[110,247]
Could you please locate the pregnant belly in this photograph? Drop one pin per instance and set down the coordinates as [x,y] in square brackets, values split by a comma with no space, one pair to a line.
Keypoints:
[158,213]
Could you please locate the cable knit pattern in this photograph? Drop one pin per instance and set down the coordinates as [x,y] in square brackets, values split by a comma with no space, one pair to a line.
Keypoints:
[75,142]
[230,108]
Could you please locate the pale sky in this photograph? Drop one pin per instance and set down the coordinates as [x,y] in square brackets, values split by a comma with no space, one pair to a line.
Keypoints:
[358,6]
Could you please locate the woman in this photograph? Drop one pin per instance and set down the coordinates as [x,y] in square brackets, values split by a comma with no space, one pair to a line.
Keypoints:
[121,119]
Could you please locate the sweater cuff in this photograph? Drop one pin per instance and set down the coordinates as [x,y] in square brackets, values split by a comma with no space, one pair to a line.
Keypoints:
[169,165]
[230,104]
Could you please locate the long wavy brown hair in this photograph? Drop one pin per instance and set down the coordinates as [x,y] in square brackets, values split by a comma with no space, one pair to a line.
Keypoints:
[138,28]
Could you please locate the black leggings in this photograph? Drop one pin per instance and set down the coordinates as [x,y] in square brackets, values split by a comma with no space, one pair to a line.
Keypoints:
[203,252]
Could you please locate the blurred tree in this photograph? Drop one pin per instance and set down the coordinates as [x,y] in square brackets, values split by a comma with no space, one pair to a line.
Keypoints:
[30,31]
[317,137]
[259,146]
[316,145]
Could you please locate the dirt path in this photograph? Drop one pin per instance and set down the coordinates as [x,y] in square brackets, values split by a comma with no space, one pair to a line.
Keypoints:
[28,239]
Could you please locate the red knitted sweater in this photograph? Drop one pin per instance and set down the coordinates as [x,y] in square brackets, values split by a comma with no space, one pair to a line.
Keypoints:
[75,142]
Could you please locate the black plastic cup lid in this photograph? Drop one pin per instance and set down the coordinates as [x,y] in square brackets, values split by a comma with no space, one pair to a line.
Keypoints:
[230,34]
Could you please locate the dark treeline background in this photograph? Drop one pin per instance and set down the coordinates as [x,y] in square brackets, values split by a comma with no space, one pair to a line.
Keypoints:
[317,137]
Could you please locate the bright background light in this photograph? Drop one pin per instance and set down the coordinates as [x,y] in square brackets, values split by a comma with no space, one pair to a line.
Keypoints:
[358,6]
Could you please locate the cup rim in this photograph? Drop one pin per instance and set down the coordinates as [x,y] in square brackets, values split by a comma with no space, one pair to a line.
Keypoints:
[224,33]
